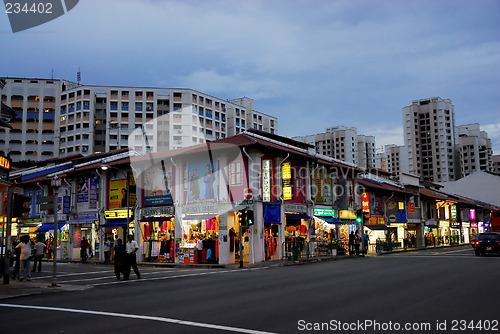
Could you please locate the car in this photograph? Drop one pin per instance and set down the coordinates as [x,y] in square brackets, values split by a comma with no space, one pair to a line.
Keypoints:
[487,243]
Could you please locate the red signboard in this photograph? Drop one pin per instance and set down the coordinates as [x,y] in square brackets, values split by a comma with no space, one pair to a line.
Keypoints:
[365,202]
[411,207]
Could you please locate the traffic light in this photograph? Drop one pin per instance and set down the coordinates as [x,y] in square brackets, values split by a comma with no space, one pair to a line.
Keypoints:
[20,205]
[242,217]
[249,217]
[359,216]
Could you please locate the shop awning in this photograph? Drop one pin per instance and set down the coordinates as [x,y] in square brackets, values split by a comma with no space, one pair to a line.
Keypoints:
[117,222]
[297,216]
[329,219]
[200,217]
[377,227]
[156,219]
[49,226]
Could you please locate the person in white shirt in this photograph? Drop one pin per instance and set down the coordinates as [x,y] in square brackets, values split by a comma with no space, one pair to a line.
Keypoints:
[39,249]
[25,246]
[107,250]
[132,249]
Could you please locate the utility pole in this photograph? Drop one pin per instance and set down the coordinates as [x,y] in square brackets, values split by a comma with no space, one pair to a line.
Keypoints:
[56,183]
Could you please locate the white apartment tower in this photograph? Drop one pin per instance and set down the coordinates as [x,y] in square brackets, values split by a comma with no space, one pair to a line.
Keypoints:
[393,159]
[495,164]
[345,144]
[61,118]
[34,134]
[429,138]
[475,149]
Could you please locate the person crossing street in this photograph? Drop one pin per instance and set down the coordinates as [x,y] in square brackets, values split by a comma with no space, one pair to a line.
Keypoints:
[132,249]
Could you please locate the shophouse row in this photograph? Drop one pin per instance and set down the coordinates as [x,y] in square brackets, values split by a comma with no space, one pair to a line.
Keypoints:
[252,197]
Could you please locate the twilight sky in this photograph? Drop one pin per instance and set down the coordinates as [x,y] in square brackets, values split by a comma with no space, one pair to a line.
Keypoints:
[313,63]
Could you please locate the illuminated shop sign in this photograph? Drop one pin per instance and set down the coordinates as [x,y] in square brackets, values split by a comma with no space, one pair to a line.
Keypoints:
[472,214]
[453,212]
[365,202]
[286,170]
[4,163]
[116,214]
[324,212]
[266,180]
[347,214]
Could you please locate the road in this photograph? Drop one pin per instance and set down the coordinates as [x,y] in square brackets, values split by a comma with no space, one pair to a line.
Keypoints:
[417,292]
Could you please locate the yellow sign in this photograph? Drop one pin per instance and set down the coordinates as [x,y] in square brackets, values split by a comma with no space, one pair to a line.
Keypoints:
[4,163]
[116,214]
[286,172]
[401,205]
[347,214]
[118,193]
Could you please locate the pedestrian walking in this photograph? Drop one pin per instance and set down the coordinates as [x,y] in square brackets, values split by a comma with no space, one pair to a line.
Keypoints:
[107,250]
[84,249]
[357,242]
[39,250]
[132,249]
[366,240]
[25,246]
[50,248]
[121,266]
[351,243]
[16,259]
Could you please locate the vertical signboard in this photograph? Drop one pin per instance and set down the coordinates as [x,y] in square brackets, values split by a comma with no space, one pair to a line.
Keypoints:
[286,171]
[266,180]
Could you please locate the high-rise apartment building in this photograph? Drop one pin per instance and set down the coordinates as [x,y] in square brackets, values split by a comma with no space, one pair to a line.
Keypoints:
[345,144]
[495,164]
[393,159]
[61,118]
[474,148]
[34,129]
[429,138]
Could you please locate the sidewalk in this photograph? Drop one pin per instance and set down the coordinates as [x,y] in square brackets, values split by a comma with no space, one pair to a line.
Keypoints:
[17,288]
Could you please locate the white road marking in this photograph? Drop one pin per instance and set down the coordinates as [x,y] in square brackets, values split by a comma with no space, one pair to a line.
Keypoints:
[140,317]
[175,276]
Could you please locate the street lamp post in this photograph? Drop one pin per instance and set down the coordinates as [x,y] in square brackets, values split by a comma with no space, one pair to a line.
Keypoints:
[56,183]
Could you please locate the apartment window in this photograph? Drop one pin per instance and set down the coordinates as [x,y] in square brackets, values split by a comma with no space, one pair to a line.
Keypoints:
[177,106]
[138,94]
[125,93]
[125,106]
[114,106]
[208,113]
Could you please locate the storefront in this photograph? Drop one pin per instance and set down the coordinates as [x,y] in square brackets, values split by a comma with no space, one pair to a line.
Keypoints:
[325,229]
[272,226]
[377,230]
[347,225]
[431,233]
[444,233]
[158,234]
[81,226]
[297,225]
[199,243]
[466,230]
[117,225]
[47,231]
[455,233]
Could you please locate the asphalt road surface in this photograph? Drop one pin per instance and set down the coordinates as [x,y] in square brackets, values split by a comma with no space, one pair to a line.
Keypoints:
[433,291]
